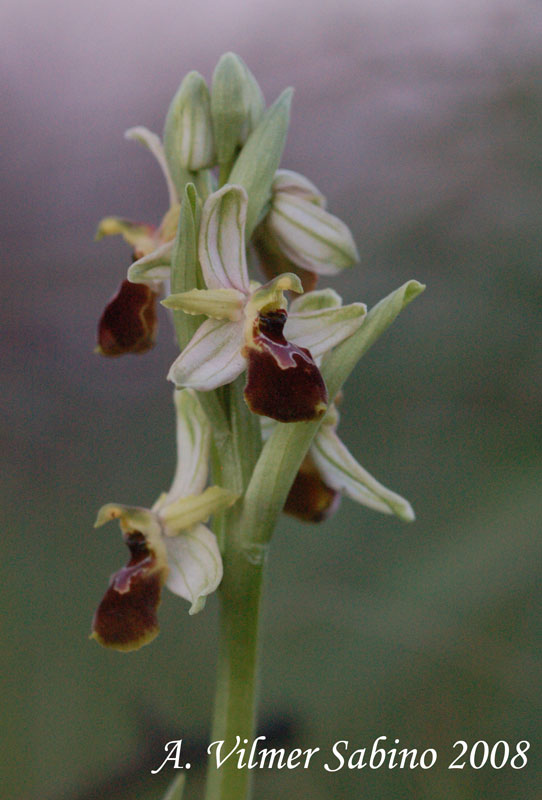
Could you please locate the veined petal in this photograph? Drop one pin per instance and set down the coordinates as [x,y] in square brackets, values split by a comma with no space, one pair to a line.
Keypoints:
[211,358]
[152,141]
[222,239]
[155,266]
[286,180]
[193,442]
[185,512]
[341,471]
[321,330]
[216,303]
[310,236]
[195,565]
[139,236]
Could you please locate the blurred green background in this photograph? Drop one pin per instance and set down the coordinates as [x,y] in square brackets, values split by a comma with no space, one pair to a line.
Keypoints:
[420,121]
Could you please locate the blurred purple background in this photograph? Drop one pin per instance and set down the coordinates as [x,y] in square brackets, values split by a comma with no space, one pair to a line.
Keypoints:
[420,121]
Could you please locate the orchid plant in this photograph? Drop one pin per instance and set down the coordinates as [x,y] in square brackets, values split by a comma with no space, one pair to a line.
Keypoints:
[257,380]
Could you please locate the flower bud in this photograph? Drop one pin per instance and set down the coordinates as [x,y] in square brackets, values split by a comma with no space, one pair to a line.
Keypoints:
[237,105]
[304,231]
[188,132]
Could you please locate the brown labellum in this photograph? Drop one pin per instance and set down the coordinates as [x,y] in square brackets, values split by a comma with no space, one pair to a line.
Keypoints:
[128,323]
[310,499]
[126,618]
[283,382]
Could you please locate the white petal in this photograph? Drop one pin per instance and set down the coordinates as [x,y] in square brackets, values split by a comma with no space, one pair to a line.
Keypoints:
[155,266]
[152,141]
[195,565]
[320,331]
[342,472]
[222,239]
[211,358]
[193,442]
[286,180]
[311,237]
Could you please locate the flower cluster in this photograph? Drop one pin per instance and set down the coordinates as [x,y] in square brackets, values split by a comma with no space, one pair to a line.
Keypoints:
[228,198]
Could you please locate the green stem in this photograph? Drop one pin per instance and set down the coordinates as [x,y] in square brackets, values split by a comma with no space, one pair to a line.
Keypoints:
[235,701]
[240,600]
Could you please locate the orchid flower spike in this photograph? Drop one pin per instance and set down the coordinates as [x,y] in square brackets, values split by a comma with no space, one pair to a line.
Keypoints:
[328,471]
[128,323]
[299,231]
[169,544]
[248,323]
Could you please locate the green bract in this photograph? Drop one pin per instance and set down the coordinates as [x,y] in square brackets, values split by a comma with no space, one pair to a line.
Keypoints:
[237,106]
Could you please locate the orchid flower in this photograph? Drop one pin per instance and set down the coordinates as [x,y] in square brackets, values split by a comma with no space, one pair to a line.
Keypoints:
[330,470]
[169,544]
[128,323]
[248,323]
[299,234]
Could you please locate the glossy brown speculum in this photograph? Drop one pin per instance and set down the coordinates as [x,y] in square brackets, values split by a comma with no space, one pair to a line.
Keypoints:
[283,381]
[128,323]
[310,499]
[126,617]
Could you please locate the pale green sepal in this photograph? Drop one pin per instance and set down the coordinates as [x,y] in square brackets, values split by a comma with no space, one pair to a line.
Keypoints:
[288,444]
[193,443]
[341,471]
[135,234]
[315,301]
[195,565]
[155,266]
[321,330]
[221,241]
[215,303]
[237,105]
[188,133]
[212,358]
[258,160]
[175,791]
[286,180]
[184,262]
[270,295]
[310,236]
[181,514]
[152,141]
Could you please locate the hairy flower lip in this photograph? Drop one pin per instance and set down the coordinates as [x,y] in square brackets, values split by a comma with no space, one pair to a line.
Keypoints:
[310,499]
[126,618]
[283,381]
[128,323]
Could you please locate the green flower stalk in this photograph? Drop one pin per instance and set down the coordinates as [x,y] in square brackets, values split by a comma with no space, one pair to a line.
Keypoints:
[256,357]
